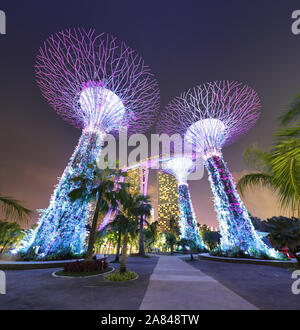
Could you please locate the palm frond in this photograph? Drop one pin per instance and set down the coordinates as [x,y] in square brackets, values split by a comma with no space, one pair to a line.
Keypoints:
[12,208]
[288,132]
[292,113]
[286,167]
[257,158]
[254,179]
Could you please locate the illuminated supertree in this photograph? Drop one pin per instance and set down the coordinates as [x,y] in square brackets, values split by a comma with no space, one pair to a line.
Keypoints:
[181,167]
[98,85]
[211,116]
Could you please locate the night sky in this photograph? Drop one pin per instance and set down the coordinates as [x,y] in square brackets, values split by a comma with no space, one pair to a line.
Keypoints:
[184,42]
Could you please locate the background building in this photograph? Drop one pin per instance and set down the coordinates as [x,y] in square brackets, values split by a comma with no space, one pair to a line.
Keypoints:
[167,200]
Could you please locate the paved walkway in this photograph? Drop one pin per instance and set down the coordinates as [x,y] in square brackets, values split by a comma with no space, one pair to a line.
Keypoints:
[175,285]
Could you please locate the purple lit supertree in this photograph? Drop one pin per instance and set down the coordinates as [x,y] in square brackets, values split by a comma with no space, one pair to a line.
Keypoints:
[211,116]
[180,167]
[98,85]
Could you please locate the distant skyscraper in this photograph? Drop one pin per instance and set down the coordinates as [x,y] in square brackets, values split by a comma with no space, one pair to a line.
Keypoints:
[167,200]
[133,178]
[138,180]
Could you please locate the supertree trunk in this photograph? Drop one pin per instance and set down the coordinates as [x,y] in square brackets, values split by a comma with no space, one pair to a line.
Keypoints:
[236,227]
[62,226]
[188,223]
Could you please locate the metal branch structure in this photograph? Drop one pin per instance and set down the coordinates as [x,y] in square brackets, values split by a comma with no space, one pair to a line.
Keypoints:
[180,168]
[211,116]
[97,84]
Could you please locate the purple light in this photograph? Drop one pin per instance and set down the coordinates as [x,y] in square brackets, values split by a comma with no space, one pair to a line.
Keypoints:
[98,85]
[75,60]
[212,115]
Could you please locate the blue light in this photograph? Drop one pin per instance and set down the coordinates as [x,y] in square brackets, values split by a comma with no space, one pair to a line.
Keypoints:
[236,227]
[62,226]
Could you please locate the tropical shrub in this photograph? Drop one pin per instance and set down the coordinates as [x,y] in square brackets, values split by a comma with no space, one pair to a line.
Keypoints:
[283,232]
[211,239]
[10,236]
[85,266]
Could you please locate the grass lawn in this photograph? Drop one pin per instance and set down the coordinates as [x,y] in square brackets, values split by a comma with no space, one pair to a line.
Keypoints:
[63,273]
[118,277]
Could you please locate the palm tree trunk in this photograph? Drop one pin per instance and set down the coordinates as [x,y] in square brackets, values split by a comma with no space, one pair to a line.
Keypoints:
[141,237]
[89,253]
[172,249]
[124,253]
[191,252]
[118,247]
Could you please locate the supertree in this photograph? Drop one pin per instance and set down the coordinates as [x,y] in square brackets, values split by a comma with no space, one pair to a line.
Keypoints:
[98,85]
[180,167]
[211,116]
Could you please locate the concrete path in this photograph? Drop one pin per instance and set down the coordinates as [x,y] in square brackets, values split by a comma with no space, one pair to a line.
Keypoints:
[175,285]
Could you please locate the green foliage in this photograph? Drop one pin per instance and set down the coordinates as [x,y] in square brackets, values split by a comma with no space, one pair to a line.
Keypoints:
[284,232]
[292,113]
[66,255]
[184,242]
[13,209]
[170,239]
[211,239]
[151,234]
[203,229]
[236,252]
[279,168]
[174,227]
[103,191]
[10,236]
[121,277]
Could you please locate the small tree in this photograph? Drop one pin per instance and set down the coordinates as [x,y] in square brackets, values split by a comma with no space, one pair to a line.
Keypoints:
[129,213]
[144,211]
[184,242]
[151,234]
[10,235]
[100,187]
[174,227]
[203,229]
[100,238]
[211,239]
[116,228]
[170,240]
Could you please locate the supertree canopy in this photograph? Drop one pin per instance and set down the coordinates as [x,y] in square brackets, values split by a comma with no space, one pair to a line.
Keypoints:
[211,116]
[181,167]
[98,85]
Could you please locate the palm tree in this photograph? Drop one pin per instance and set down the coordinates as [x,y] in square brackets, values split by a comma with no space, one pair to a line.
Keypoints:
[115,227]
[144,211]
[191,244]
[13,209]
[279,169]
[170,240]
[129,213]
[174,227]
[103,190]
[151,234]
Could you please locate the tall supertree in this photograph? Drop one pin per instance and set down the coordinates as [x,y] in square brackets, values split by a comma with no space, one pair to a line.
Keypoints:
[211,116]
[98,85]
[180,167]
